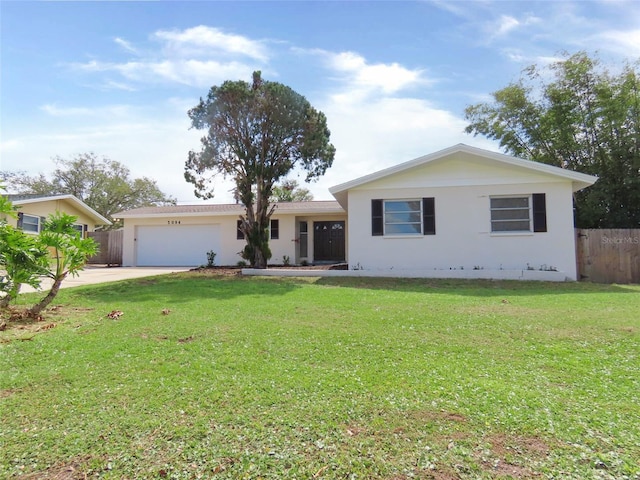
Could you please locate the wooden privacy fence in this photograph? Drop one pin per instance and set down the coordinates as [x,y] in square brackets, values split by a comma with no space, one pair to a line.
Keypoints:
[110,247]
[608,255]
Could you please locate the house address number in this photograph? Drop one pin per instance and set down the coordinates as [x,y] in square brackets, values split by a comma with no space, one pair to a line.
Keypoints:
[173,222]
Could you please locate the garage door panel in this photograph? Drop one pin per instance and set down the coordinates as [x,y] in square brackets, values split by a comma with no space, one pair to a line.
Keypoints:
[175,245]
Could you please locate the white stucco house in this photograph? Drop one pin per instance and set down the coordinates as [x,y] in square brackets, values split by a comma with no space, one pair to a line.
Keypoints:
[459,212]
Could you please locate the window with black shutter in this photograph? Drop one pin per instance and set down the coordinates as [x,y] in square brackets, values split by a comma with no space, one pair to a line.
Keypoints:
[539,212]
[429,216]
[275,229]
[377,218]
[403,217]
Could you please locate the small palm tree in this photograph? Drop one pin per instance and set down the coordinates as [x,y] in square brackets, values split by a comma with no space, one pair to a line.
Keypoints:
[68,252]
[22,260]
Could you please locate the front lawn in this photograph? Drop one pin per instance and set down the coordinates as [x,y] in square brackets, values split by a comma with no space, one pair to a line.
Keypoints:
[230,377]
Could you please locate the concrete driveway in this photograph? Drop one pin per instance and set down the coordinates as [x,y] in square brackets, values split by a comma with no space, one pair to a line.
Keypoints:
[101,274]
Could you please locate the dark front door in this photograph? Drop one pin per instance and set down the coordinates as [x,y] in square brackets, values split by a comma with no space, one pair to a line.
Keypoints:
[328,241]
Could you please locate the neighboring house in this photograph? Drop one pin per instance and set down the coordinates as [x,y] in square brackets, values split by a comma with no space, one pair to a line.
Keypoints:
[459,212]
[34,209]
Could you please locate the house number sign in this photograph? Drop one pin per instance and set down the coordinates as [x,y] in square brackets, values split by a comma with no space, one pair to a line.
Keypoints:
[173,222]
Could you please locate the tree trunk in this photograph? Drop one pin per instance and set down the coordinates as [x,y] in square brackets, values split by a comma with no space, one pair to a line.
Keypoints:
[6,300]
[9,297]
[258,260]
[44,303]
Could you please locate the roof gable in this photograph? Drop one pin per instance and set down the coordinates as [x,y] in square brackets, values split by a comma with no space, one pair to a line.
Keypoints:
[71,199]
[456,160]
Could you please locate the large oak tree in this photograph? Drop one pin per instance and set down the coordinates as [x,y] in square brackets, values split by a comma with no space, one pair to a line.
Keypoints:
[256,134]
[575,114]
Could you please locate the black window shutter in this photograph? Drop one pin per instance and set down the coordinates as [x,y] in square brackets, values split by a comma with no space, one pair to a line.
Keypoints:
[239,232]
[539,212]
[377,218]
[275,229]
[20,220]
[429,215]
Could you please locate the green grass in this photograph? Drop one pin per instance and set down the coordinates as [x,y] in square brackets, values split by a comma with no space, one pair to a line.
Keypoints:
[325,378]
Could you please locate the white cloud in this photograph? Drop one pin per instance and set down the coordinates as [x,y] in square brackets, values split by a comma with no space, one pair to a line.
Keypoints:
[460,9]
[191,72]
[56,111]
[125,45]
[505,24]
[359,78]
[107,111]
[626,42]
[197,57]
[508,24]
[8,145]
[112,85]
[388,78]
[518,56]
[201,40]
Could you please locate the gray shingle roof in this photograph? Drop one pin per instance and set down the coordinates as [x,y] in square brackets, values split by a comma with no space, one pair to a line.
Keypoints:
[229,209]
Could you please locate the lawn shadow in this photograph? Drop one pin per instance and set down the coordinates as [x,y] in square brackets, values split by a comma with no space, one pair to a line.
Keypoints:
[183,287]
[476,287]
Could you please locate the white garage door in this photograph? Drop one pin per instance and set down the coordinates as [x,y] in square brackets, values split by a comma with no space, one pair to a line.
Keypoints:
[176,245]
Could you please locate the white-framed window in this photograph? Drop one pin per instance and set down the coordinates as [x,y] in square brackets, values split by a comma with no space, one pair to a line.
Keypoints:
[511,214]
[30,223]
[403,217]
[80,228]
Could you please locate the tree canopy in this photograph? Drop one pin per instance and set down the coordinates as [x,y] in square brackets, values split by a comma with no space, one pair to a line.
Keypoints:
[256,134]
[103,184]
[290,191]
[577,115]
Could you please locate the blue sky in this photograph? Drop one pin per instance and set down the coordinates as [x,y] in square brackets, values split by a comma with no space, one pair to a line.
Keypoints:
[393,78]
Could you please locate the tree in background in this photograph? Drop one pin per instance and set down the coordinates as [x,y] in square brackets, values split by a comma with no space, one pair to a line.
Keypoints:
[256,134]
[290,191]
[103,184]
[582,118]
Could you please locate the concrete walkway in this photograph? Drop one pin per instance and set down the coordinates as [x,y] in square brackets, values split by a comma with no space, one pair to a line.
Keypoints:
[101,274]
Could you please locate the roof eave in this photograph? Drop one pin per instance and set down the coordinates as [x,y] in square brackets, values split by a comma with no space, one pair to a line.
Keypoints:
[293,211]
[83,206]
